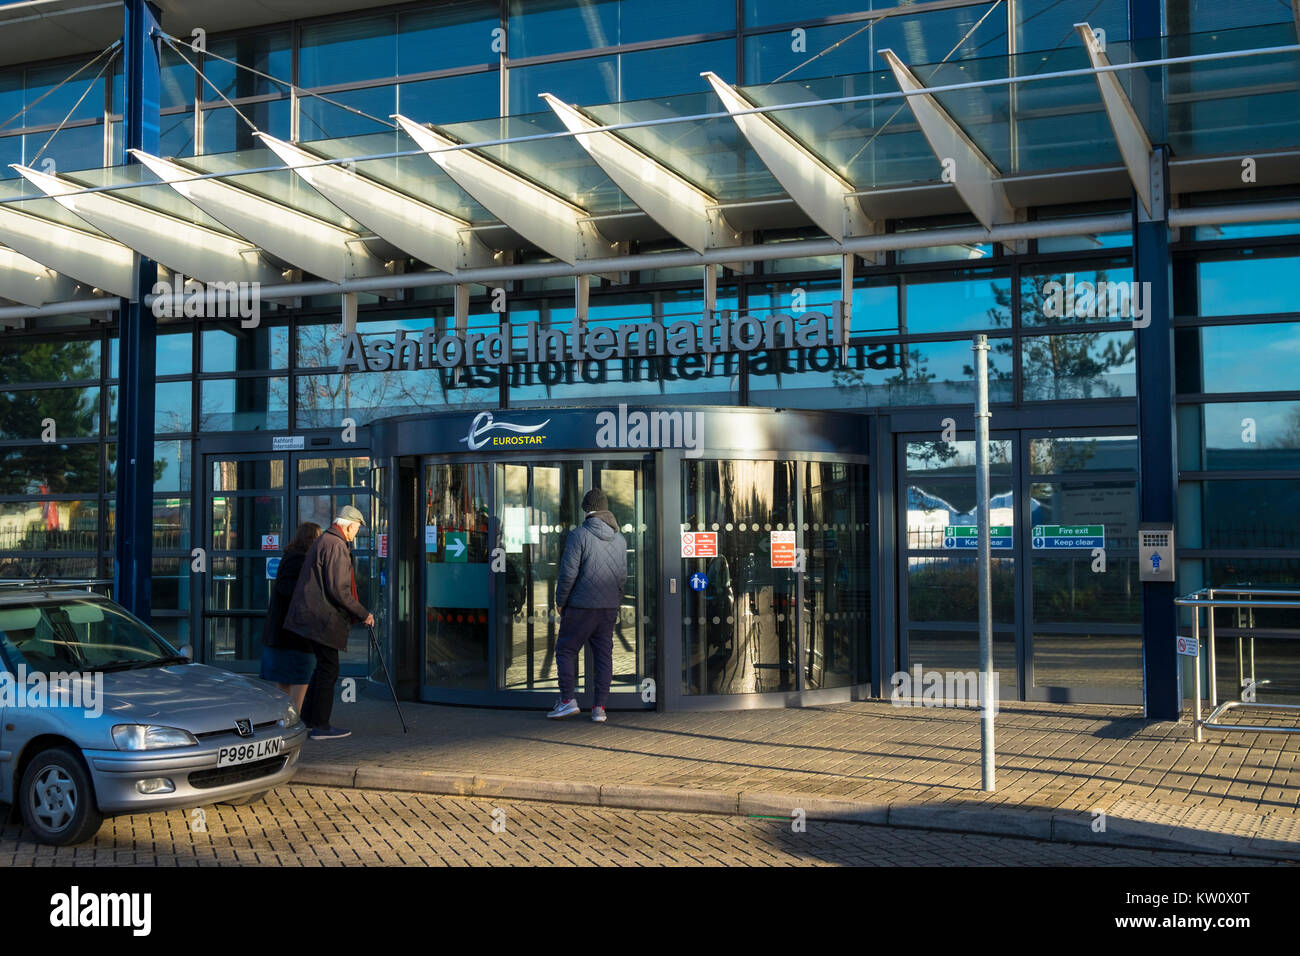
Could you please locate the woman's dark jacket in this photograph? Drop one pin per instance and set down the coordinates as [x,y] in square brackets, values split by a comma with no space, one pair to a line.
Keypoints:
[286,577]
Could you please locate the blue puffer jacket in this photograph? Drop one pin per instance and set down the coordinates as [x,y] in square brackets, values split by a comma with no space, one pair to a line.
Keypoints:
[593,570]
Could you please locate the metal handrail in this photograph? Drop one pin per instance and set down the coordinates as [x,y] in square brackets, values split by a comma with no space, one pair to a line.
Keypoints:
[1205,598]
[1271,591]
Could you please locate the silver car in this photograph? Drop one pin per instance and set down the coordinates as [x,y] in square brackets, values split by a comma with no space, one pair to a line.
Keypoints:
[100,716]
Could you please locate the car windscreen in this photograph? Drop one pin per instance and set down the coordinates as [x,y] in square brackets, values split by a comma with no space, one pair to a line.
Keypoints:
[77,635]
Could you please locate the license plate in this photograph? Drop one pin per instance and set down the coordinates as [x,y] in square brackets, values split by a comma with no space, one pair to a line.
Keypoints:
[248,753]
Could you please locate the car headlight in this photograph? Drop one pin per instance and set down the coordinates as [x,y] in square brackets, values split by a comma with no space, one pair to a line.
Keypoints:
[291,716]
[150,737]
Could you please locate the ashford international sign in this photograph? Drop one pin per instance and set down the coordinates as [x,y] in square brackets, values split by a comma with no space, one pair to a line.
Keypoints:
[436,347]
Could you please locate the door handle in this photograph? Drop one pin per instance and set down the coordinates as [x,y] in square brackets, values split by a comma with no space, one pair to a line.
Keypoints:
[672,585]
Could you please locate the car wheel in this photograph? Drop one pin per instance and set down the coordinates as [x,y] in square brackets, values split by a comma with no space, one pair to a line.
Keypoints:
[244,801]
[58,799]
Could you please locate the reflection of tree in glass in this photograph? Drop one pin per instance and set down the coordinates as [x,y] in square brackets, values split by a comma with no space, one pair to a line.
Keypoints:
[1057,456]
[1060,366]
[931,454]
[1291,437]
[910,385]
[56,468]
[323,396]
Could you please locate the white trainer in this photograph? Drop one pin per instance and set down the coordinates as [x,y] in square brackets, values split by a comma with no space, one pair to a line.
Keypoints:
[565,708]
[598,714]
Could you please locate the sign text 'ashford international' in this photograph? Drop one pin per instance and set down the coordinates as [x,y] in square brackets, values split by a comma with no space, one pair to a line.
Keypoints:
[715,332]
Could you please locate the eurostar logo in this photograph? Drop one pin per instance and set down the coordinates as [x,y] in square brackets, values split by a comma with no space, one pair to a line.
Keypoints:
[483,425]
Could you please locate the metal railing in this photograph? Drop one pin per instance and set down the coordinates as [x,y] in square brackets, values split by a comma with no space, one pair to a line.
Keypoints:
[1246,600]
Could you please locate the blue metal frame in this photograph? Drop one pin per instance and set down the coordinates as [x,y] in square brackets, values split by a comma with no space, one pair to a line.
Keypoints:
[133,564]
[1155,365]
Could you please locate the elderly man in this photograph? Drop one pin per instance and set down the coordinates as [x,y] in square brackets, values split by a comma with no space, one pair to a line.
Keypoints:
[323,609]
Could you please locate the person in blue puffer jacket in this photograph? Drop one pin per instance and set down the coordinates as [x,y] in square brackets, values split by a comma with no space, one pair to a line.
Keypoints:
[588,595]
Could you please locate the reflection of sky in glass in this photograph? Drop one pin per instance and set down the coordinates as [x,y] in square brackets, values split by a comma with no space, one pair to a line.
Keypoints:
[221,348]
[1249,286]
[953,306]
[1246,230]
[173,354]
[263,403]
[1105,240]
[1233,358]
[1277,425]
[172,407]
[175,459]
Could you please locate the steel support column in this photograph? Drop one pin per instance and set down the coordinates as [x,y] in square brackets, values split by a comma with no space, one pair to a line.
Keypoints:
[133,565]
[1155,363]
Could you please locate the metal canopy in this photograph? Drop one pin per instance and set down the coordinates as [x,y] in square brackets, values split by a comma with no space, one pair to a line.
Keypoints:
[181,246]
[1134,144]
[543,218]
[98,262]
[826,196]
[427,233]
[688,213]
[844,153]
[30,283]
[974,176]
[308,243]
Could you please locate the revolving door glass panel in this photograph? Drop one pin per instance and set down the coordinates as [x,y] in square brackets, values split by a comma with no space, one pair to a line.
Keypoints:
[457,574]
[739,624]
[538,505]
[630,487]
[835,607]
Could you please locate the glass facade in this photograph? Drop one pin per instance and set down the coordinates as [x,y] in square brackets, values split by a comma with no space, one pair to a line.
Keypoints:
[1065,381]
[1238,422]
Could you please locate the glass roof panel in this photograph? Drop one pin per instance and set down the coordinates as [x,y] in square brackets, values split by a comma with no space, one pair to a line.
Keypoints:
[711,153]
[45,208]
[1055,117]
[282,186]
[152,193]
[1238,104]
[559,164]
[416,176]
[871,143]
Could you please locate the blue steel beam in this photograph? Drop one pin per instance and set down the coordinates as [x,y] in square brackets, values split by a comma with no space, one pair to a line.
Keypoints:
[1162,695]
[133,563]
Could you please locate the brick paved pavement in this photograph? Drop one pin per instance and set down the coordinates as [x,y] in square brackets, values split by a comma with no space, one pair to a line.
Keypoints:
[1059,764]
[320,826]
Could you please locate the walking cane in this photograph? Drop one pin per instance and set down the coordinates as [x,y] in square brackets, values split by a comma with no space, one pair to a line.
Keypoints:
[374,642]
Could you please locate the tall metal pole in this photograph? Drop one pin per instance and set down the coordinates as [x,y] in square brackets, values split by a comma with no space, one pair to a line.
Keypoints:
[988,689]
[133,565]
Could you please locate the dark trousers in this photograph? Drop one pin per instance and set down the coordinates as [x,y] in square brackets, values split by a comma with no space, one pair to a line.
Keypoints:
[318,704]
[578,626]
